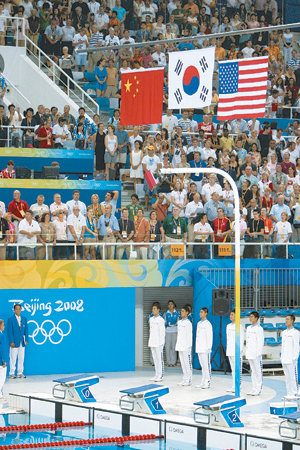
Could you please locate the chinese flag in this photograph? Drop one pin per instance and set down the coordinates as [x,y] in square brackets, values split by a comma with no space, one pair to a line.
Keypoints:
[150,180]
[141,97]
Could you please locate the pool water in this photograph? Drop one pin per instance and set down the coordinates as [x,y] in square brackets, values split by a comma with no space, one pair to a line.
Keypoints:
[66,434]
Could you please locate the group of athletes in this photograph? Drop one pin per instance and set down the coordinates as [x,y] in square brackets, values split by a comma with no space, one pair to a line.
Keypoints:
[174,331]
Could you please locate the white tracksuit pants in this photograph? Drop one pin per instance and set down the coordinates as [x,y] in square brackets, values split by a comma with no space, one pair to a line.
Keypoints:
[186,365]
[14,353]
[204,360]
[171,356]
[2,379]
[256,374]
[158,359]
[291,377]
[232,366]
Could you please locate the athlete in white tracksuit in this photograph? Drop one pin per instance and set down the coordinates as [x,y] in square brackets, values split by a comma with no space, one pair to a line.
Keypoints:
[184,346]
[230,347]
[289,355]
[254,350]
[157,341]
[204,342]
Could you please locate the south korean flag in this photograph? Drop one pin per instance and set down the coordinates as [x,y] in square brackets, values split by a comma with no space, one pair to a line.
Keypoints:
[190,78]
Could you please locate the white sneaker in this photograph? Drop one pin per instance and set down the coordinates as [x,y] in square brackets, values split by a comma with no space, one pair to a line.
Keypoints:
[205,386]
[157,380]
[199,386]
[250,393]
[186,383]
[255,394]
[152,379]
[181,383]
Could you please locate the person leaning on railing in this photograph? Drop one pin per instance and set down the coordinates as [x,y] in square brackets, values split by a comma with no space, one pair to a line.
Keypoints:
[47,236]
[175,228]
[3,236]
[125,234]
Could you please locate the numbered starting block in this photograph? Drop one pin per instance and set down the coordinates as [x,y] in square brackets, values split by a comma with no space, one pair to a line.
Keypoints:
[144,399]
[290,426]
[76,388]
[221,411]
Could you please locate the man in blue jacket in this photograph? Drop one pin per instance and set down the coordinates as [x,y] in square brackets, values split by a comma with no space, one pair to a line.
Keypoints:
[17,331]
[3,357]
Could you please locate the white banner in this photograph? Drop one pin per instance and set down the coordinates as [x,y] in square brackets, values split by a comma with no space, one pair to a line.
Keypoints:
[190,78]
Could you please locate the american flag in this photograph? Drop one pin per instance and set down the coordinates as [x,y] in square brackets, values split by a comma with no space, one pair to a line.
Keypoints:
[242,88]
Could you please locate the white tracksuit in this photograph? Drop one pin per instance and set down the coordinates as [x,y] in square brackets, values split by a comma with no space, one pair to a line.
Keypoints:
[289,359]
[204,342]
[254,350]
[156,343]
[230,349]
[184,347]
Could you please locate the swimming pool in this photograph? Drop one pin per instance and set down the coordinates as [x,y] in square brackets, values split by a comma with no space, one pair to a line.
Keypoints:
[37,438]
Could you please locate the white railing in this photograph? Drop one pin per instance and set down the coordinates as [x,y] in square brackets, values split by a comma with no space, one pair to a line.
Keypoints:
[56,72]
[39,57]
[16,96]
[209,246]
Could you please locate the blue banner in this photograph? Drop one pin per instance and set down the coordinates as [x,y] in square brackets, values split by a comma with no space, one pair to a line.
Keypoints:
[76,330]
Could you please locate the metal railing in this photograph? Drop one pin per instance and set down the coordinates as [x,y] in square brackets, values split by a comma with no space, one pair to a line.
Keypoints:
[261,288]
[187,251]
[58,75]
[17,96]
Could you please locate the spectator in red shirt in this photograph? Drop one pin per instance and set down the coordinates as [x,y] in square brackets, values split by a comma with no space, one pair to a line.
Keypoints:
[17,208]
[45,134]
[206,125]
[222,228]
[9,172]
[286,164]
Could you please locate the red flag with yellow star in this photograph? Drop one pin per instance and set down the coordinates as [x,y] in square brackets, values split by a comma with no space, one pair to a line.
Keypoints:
[141,97]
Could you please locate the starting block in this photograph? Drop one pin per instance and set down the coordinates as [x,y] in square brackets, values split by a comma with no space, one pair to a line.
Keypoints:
[144,399]
[290,426]
[221,411]
[76,388]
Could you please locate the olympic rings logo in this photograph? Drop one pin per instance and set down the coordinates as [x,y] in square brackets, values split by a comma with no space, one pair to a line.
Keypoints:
[48,330]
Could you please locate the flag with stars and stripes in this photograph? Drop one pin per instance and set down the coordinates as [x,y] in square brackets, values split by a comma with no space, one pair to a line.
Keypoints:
[190,78]
[242,88]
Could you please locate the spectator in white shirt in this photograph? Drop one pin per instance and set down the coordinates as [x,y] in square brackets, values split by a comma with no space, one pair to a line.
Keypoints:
[57,206]
[111,198]
[39,208]
[211,187]
[61,133]
[202,231]
[76,225]
[68,34]
[94,7]
[248,50]
[27,235]
[76,202]
[159,56]
[111,38]
[150,162]
[80,42]
[169,121]
[102,19]
[191,211]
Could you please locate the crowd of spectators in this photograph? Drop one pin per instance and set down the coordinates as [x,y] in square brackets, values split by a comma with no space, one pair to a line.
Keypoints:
[188,207]
[62,26]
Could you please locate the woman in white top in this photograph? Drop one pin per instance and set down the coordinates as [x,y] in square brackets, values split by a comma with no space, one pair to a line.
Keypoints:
[282,232]
[136,167]
[179,197]
[291,181]
[60,225]
[227,197]
[111,145]
[288,42]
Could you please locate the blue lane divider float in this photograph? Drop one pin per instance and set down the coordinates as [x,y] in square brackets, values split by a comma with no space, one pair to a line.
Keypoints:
[144,399]
[223,411]
[75,388]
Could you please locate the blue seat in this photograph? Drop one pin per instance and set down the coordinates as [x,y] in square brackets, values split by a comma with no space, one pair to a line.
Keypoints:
[268,326]
[103,103]
[281,326]
[246,312]
[272,341]
[90,76]
[280,312]
[88,86]
[297,326]
[266,312]
[295,311]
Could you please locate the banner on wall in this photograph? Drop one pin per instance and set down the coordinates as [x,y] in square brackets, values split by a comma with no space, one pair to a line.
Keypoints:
[71,330]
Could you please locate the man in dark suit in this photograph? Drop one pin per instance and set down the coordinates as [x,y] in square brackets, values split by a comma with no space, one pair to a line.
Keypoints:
[17,331]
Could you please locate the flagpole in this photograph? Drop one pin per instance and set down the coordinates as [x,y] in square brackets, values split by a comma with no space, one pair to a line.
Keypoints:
[237,259]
